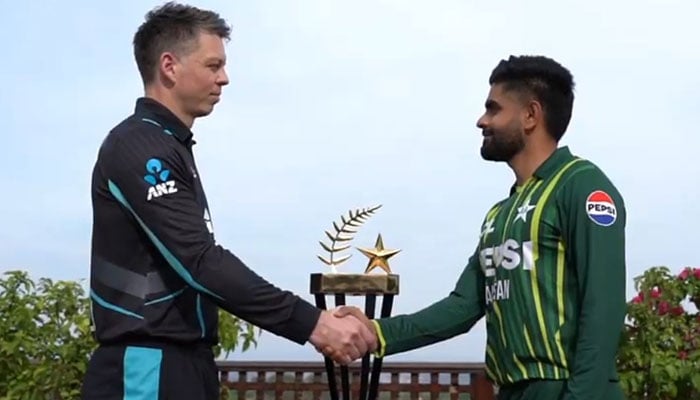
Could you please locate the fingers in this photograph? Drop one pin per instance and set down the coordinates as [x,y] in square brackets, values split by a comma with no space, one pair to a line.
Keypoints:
[344,311]
[369,336]
[344,339]
[368,333]
[338,356]
[359,337]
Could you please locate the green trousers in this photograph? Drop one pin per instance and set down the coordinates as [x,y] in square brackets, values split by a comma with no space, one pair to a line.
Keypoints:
[549,390]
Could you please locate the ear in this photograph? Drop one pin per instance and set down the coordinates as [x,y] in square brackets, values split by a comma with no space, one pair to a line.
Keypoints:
[168,66]
[533,115]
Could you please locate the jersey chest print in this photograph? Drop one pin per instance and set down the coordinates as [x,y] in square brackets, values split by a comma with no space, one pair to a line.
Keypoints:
[157,176]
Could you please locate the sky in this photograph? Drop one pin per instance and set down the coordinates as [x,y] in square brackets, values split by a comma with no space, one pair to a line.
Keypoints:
[337,105]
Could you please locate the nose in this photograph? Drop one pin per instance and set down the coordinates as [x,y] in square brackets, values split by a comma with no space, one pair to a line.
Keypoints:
[481,122]
[223,78]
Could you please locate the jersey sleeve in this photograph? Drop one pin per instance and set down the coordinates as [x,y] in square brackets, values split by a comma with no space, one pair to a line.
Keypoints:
[594,218]
[453,315]
[155,184]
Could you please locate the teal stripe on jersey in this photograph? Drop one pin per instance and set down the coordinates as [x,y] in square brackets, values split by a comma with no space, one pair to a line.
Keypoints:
[104,303]
[169,256]
[165,298]
[200,315]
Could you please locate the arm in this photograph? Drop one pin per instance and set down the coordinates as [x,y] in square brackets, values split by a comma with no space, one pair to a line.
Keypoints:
[597,248]
[453,315]
[174,223]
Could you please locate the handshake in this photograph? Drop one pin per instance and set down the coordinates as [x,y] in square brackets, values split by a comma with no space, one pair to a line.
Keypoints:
[344,334]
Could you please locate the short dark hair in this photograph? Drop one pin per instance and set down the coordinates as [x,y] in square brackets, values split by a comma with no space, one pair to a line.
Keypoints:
[172,27]
[544,79]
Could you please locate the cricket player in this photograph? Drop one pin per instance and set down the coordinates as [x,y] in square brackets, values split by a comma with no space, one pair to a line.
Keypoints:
[548,271]
[158,277]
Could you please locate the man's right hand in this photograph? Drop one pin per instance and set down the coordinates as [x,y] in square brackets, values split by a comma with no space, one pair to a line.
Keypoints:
[343,339]
[356,313]
[345,311]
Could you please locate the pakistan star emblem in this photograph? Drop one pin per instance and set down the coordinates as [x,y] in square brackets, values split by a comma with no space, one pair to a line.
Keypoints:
[523,210]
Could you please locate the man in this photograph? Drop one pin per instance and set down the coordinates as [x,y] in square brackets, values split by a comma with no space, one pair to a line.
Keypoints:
[157,275]
[549,267]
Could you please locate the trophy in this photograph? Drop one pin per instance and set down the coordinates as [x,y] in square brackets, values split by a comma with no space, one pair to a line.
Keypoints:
[368,285]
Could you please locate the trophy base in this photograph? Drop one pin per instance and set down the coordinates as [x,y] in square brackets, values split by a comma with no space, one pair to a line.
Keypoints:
[368,286]
[354,284]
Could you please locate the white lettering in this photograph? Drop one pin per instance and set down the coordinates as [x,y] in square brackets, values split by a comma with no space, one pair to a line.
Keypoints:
[511,258]
[161,189]
[497,291]
[171,187]
[152,193]
[486,261]
[509,255]
[528,260]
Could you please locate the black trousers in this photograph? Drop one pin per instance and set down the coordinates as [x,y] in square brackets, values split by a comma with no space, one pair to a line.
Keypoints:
[151,372]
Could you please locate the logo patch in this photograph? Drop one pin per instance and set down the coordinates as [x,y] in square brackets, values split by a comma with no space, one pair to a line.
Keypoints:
[157,177]
[601,208]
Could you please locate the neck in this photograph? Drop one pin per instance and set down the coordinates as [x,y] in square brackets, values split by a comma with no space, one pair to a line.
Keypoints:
[164,98]
[525,163]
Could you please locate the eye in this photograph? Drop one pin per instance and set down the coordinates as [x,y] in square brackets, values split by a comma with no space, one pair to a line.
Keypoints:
[492,108]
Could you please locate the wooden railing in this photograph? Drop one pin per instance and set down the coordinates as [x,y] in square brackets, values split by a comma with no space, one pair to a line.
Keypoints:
[398,381]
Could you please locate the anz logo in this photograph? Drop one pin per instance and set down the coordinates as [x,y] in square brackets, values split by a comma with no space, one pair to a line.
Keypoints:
[157,177]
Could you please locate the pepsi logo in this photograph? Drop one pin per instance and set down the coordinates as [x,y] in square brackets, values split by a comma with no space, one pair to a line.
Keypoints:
[601,208]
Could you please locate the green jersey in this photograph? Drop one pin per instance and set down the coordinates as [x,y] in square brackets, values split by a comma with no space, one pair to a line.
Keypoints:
[548,274]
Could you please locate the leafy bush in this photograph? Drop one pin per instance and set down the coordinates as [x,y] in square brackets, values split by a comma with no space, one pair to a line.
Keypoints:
[46,339]
[659,356]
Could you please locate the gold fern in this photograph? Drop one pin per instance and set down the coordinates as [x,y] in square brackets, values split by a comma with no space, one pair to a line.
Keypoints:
[343,234]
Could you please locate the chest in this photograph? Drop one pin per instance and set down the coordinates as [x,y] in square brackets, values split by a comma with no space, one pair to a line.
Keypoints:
[519,231]
[195,184]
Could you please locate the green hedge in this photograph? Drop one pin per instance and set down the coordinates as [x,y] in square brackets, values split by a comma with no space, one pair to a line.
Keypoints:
[46,338]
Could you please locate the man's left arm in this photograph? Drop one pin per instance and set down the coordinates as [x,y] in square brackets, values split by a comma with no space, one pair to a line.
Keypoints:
[594,218]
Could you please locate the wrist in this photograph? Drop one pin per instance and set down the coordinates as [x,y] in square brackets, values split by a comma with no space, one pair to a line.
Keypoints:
[381,341]
[320,330]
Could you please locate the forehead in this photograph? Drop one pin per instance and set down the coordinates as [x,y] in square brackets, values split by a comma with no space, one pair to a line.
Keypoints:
[500,95]
[209,45]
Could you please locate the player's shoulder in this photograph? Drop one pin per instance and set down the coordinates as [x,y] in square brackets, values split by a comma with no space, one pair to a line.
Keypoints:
[585,178]
[494,209]
[583,170]
[134,137]
[136,130]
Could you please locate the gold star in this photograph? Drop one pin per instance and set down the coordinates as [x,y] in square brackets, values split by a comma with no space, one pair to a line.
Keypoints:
[378,256]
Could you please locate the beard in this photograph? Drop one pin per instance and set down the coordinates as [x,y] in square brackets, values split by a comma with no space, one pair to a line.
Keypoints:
[502,145]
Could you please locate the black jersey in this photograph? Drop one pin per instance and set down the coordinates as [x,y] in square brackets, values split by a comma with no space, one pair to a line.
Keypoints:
[156,271]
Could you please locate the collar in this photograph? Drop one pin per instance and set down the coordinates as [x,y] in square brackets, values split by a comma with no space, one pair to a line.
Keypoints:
[161,114]
[561,156]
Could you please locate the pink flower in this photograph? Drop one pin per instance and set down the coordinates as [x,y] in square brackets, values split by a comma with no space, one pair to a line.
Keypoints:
[663,308]
[685,274]
[696,273]
[637,299]
[655,293]
[683,355]
[677,310]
